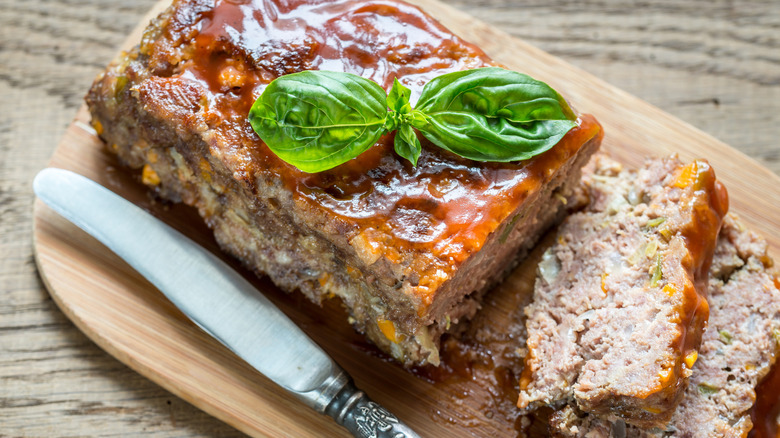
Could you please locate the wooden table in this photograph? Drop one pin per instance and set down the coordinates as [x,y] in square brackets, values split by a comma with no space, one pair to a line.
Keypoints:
[715,65]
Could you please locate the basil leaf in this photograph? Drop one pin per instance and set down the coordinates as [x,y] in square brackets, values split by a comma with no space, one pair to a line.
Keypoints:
[398,98]
[401,111]
[316,120]
[493,114]
[400,108]
[406,144]
[401,118]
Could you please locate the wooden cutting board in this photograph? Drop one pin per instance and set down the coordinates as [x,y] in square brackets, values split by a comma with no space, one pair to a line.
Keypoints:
[131,320]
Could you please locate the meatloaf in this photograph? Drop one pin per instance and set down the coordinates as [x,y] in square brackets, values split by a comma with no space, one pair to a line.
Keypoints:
[619,304]
[409,250]
[738,349]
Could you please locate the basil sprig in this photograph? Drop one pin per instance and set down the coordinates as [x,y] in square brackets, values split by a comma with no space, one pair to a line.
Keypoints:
[316,120]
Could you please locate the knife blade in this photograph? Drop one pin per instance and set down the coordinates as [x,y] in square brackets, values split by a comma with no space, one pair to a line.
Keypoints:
[218,300]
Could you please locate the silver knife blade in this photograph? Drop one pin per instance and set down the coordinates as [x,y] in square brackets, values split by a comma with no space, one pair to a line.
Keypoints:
[217,299]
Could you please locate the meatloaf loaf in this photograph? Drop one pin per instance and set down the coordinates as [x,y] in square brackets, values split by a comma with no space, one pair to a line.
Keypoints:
[738,349]
[619,304]
[409,250]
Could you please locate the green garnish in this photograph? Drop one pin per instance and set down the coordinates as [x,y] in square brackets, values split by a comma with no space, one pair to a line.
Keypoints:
[655,222]
[657,273]
[316,120]
[725,337]
[508,229]
[706,389]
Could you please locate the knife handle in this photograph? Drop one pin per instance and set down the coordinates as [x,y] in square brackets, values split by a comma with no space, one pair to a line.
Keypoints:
[365,418]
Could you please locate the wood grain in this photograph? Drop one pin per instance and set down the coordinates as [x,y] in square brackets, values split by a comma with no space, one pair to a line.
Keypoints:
[54,381]
[704,62]
[713,64]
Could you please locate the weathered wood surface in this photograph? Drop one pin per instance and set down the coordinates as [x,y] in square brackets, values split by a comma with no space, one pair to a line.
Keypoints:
[714,64]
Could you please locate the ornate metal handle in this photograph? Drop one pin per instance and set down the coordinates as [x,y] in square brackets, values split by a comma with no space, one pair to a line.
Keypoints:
[365,418]
[338,397]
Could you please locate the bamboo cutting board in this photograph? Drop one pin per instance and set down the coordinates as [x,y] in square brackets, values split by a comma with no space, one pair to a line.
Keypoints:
[127,317]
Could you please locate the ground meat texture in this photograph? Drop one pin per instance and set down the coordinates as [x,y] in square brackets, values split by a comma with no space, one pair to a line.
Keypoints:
[738,348]
[619,304]
[409,250]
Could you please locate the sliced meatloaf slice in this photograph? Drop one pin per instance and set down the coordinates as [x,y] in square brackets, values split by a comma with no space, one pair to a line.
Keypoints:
[738,349]
[619,304]
[409,250]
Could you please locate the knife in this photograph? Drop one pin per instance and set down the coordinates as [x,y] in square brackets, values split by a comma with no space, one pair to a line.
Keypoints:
[219,301]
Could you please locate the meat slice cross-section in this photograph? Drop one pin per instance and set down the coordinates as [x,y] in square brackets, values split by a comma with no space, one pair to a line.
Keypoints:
[619,304]
[737,351]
